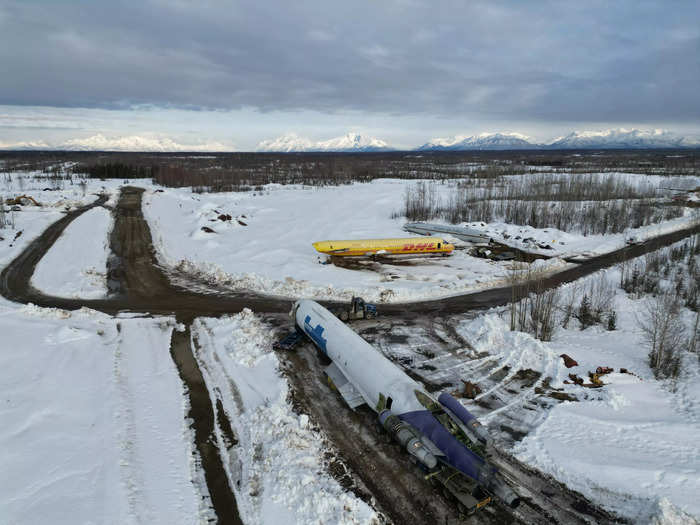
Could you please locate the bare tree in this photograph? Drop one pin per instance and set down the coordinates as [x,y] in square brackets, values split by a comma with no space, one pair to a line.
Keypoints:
[602,295]
[664,333]
[694,333]
[533,306]
[568,308]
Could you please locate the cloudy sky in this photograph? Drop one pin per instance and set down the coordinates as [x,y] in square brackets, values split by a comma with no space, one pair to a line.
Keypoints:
[237,72]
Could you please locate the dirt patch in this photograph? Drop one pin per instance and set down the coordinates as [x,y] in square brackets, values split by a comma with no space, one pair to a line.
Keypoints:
[515,434]
[527,377]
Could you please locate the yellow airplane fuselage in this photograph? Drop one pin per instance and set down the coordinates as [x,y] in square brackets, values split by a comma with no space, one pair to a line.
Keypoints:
[359,247]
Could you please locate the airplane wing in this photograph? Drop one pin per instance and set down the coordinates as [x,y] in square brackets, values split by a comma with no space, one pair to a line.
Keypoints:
[350,394]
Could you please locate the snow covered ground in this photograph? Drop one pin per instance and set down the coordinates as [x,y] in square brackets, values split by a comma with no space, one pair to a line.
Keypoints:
[76,265]
[563,244]
[266,245]
[277,466]
[25,225]
[93,426]
[28,225]
[632,445]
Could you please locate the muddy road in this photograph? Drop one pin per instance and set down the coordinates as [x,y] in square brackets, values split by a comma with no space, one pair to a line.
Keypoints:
[375,470]
[382,470]
[137,282]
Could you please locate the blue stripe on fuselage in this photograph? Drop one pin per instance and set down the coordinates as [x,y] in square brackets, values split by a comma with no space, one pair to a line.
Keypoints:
[316,334]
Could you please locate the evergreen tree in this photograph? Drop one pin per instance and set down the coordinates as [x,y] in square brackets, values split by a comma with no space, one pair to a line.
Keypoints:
[585,317]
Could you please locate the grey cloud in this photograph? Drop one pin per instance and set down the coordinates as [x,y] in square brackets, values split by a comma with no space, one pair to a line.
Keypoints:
[554,61]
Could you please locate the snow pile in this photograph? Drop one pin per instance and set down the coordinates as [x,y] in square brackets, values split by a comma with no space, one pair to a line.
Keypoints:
[76,265]
[668,514]
[517,350]
[514,351]
[93,421]
[278,464]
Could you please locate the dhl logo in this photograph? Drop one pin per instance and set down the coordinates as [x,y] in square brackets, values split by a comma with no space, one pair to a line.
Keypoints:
[419,247]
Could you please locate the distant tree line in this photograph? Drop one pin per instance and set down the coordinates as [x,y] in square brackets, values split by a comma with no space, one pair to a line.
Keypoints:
[587,203]
[116,170]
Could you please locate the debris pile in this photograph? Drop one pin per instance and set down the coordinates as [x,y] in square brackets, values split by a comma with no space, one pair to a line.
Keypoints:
[568,361]
[470,390]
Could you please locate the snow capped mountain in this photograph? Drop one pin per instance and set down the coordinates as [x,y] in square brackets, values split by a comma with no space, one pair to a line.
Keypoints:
[612,138]
[285,144]
[483,141]
[128,143]
[347,143]
[623,138]
[353,142]
[24,145]
[137,143]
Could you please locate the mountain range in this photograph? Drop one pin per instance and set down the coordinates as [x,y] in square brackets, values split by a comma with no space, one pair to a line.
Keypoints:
[609,139]
[484,141]
[619,138]
[347,143]
[126,143]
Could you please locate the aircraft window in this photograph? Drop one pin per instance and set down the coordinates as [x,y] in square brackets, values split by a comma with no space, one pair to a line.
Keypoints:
[389,401]
[438,246]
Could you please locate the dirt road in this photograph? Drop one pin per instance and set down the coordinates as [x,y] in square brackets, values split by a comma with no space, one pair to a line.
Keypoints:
[377,471]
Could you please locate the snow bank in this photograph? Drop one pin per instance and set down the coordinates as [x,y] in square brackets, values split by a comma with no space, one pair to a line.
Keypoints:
[278,465]
[515,351]
[93,421]
[76,265]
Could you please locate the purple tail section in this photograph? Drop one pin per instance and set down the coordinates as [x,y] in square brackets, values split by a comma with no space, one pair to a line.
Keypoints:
[459,456]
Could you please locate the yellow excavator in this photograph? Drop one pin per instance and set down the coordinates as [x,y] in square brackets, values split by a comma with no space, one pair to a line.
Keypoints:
[22,200]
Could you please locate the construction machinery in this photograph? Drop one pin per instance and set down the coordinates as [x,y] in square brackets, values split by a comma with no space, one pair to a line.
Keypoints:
[358,309]
[22,200]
